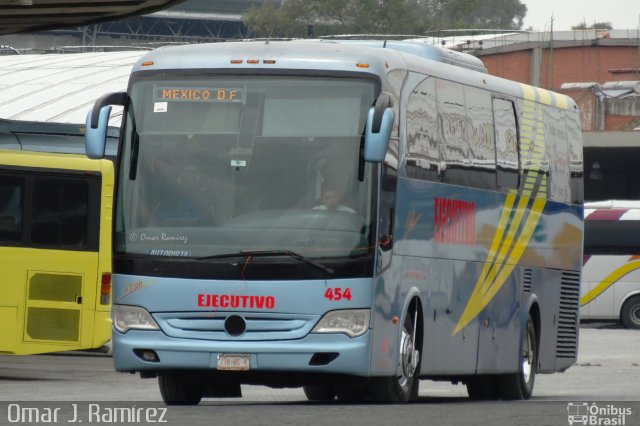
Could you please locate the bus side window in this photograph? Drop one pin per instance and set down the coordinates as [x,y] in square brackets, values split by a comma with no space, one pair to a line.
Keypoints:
[11,194]
[576,164]
[506,134]
[422,133]
[454,143]
[59,215]
[480,137]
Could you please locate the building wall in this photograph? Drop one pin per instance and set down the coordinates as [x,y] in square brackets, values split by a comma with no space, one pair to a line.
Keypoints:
[512,65]
[570,64]
[589,63]
[583,62]
[621,122]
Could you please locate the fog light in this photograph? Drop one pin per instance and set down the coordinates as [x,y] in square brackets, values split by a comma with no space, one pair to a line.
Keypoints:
[147,355]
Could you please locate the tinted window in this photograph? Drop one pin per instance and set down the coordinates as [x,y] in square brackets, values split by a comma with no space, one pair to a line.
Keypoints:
[506,132]
[59,212]
[422,132]
[479,131]
[611,237]
[11,196]
[454,145]
[555,131]
[574,135]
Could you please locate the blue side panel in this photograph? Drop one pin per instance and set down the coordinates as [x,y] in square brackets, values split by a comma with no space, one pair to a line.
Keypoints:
[468,250]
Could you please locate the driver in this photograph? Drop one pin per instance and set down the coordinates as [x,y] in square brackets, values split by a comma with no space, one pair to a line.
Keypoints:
[331,200]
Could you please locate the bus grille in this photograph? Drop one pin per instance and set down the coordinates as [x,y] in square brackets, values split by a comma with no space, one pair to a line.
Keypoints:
[567,338]
[259,326]
[527,279]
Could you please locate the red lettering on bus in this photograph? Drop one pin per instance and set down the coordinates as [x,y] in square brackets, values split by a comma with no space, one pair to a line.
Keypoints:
[224,301]
[454,221]
[271,302]
[234,301]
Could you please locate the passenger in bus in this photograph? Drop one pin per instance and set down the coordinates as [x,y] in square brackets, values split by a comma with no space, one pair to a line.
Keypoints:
[331,200]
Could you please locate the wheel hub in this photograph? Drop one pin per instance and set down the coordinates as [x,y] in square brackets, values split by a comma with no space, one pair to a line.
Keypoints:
[409,358]
[635,314]
[527,358]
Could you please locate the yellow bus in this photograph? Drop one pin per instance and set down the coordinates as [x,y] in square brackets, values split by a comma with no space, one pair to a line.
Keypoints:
[55,245]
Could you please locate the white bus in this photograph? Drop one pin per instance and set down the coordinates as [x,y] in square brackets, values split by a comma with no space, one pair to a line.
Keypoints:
[611,273]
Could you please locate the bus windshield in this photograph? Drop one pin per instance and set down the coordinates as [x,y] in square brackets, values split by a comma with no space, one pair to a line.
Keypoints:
[217,165]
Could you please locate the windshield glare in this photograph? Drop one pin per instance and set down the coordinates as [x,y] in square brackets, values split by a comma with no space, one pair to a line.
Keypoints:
[245,163]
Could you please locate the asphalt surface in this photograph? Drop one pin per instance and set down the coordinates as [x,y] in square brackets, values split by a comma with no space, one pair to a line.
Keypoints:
[83,386]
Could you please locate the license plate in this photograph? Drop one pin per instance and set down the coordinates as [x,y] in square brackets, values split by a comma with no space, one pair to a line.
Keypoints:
[235,362]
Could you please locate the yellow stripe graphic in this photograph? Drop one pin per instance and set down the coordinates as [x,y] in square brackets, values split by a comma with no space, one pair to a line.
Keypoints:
[609,281]
[485,290]
[511,239]
[497,238]
[523,241]
[506,245]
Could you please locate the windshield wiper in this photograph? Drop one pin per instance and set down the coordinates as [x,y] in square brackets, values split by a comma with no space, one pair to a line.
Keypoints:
[264,253]
[221,256]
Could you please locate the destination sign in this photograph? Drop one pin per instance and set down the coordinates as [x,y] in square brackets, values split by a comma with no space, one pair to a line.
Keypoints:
[199,94]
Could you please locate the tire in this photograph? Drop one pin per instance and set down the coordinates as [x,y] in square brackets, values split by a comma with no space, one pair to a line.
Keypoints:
[630,313]
[180,389]
[351,392]
[319,392]
[519,386]
[404,387]
[483,388]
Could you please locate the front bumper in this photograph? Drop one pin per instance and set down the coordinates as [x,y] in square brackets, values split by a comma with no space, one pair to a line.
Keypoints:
[353,354]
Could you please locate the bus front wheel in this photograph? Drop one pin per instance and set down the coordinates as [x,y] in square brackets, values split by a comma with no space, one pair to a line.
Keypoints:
[403,387]
[630,313]
[319,392]
[180,389]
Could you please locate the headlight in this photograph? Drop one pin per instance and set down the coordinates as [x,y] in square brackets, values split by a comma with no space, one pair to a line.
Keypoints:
[353,322]
[132,317]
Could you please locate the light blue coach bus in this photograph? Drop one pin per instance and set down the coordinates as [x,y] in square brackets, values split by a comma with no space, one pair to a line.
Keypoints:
[349,217]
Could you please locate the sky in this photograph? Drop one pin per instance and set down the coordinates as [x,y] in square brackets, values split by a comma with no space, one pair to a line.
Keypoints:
[622,14]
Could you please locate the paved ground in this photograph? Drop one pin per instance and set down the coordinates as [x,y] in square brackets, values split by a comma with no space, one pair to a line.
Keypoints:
[606,374]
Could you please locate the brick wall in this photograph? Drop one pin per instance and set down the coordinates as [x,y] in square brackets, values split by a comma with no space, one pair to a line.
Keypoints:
[571,64]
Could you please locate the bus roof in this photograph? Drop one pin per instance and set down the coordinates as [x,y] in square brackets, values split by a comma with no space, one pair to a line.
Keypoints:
[366,56]
[613,204]
[612,210]
[299,55]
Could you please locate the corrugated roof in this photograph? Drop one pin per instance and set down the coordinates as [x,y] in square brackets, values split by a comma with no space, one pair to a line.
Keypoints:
[36,15]
[61,88]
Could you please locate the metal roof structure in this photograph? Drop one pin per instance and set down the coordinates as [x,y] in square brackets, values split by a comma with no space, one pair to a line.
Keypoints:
[61,88]
[231,10]
[18,16]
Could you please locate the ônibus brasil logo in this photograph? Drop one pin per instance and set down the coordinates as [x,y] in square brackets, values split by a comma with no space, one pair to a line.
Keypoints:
[583,413]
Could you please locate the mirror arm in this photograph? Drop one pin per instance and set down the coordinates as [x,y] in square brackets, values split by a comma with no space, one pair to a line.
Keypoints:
[118,98]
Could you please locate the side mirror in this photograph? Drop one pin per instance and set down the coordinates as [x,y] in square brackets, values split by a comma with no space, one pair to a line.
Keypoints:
[95,140]
[95,137]
[378,130]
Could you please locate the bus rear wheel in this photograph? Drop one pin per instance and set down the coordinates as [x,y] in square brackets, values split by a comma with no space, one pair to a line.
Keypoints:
[630,313]
[180,389]
[520,385]
[403,387]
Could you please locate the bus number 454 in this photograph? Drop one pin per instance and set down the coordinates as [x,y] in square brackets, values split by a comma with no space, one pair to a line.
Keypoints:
[337,293]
